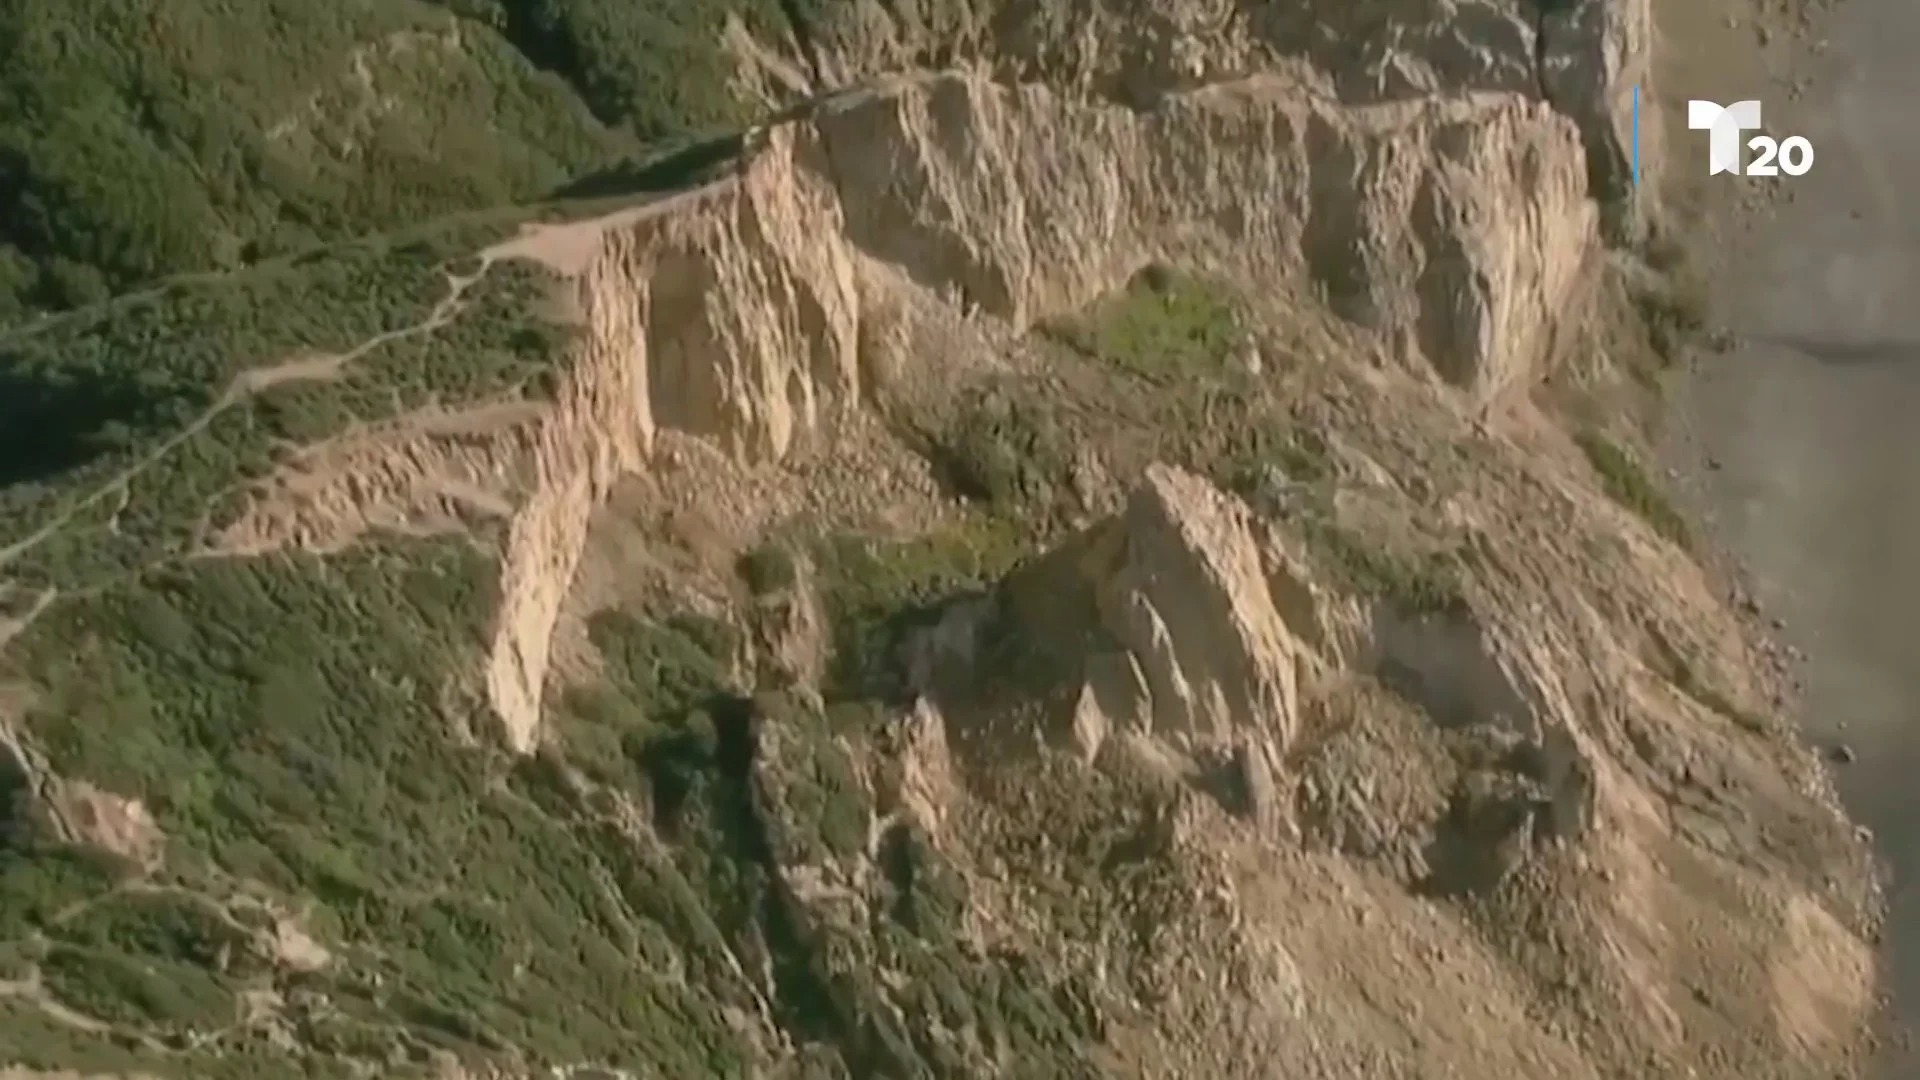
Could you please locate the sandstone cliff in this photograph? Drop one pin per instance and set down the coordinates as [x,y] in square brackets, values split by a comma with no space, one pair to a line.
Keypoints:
[1303,708]
[1452,229]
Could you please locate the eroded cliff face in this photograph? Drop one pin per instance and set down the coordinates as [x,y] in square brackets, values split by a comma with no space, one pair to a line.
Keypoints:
[1450,229]
[1453,227]
[1414,754]
[1583,56]
[731,314]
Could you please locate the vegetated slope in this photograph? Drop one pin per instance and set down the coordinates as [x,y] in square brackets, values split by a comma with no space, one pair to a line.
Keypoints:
[150,140]
[1092,566]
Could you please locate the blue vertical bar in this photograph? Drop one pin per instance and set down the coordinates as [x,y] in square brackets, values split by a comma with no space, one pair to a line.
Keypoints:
[1636,136]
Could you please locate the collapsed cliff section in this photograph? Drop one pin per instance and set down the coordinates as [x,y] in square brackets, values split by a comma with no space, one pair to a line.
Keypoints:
[747,312]
[1020,577]
[1388,651]
[1370,741]
[1452,230]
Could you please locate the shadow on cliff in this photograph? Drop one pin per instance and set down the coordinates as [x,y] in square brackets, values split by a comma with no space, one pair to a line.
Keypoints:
[722,780]
[50,425]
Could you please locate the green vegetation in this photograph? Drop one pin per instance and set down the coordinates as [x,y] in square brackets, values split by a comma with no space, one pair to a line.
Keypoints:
[43,881]
[823,803]
[119,988]
[1428,583]
[168,926]
[38,1041]
[651,712]
[137,143]
[1164,327]
[92,396]
[1013,444]
[656,69]
[746,788]
[1628,484]
[875,590]
[293,724]
[228,693]
[140,142]
[106,383]
[1008,448]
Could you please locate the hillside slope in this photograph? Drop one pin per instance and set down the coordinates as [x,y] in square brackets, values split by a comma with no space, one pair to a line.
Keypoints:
[1104,539]
[142,142]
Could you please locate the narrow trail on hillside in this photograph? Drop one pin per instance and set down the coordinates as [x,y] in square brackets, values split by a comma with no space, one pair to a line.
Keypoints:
[318,367]
[564,247]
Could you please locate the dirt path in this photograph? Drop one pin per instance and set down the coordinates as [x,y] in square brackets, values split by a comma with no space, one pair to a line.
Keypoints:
[1810,437]
[568,247]
[313,366]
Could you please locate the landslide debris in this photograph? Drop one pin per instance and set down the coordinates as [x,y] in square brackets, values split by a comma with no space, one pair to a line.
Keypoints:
[1088,548]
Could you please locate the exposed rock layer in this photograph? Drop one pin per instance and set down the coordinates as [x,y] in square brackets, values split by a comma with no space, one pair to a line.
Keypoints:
[1452,229]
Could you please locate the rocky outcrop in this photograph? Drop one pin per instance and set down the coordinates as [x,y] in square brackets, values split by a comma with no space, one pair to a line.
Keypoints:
[729,315]
[1583,57]
[1452,229]
[1501,783]
[1180,586]
[1594,56]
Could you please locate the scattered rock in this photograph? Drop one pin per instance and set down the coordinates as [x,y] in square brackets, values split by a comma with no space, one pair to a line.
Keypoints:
[111,823]
[296,949]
